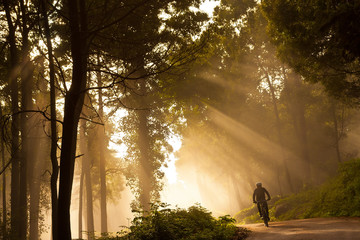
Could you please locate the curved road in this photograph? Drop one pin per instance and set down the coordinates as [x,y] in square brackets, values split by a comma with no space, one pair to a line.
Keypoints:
[307,229]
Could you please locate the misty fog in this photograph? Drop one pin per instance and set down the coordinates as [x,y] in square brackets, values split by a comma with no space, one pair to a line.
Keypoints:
[109,109]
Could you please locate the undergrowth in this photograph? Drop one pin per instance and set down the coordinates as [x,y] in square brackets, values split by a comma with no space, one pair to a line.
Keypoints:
[194,223]
[340,196]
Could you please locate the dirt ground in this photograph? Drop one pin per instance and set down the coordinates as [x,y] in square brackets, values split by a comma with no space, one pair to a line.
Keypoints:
[307,229]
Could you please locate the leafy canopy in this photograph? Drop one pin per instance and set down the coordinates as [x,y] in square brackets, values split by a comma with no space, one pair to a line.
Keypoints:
[319,39]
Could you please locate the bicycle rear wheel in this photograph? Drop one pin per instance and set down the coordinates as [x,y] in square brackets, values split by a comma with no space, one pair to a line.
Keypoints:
[265,216]
[266,222]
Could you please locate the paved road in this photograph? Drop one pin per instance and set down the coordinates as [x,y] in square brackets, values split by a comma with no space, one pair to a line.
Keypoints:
[307,229]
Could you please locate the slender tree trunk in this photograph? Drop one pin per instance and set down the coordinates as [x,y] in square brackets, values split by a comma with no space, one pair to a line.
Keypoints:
[298,113]
[89,204]
[34,189]
[87,175]
[304,145]
[15,164]
[281,141]
[81,191]
[145,169]
[74,101]
[336,131]
[53,127]
[38,167]
[101,134]
[4,200]
[303,136]
[26,104]
[24,155]
[15,170]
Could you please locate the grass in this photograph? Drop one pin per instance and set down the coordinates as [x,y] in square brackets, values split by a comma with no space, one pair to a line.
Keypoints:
[340,196]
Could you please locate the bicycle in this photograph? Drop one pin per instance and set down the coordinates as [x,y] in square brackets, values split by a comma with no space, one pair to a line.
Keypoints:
[264,213]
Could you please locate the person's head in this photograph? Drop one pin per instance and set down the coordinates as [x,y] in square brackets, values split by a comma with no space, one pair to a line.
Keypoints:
[259,185]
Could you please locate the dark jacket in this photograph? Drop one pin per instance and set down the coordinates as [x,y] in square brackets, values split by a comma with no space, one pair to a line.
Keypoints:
[259,194]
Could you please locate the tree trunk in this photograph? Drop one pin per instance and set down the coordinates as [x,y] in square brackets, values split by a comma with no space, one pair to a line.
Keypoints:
[74,100]
[304,145]
[303,137]
[145,169]
[38,167]
[15,164]
[297,111]
[81,191]
[26,104]
[86,168]
[53,127]
[101,134]
[280,137]
[4,208]
[336,131]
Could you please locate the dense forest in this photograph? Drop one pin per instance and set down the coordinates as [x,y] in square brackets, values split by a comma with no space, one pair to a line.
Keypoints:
[100,98]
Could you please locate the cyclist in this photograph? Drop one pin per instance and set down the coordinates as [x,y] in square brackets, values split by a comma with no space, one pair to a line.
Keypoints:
[259,195]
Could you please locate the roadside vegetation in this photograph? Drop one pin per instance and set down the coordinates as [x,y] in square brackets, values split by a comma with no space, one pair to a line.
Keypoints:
[339,196]
[194,223]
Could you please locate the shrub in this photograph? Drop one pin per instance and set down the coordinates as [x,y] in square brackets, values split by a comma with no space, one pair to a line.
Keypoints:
[195,223]
[340,196]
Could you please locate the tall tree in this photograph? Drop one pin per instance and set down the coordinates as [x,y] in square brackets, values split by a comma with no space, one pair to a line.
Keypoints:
[102,160]
[39,154]
[4,187]
[26,105]
[53,127]
[270,72]
[15,145]
[319,40]
[81,200]
[280,135]
[145,170]
[174,32]
[111,31]
[86,165]
[74,100]
[295,93]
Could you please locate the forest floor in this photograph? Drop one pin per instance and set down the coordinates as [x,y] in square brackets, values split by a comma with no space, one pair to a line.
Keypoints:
[339,228]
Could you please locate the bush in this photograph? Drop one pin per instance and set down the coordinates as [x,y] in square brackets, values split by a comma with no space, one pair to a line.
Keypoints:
[340,196]
[195,223]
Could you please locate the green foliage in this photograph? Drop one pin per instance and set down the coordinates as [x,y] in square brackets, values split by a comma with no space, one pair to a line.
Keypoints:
[295,206]
[316,38]
[340,196]
[251,214]
[248,215]
[195,223]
